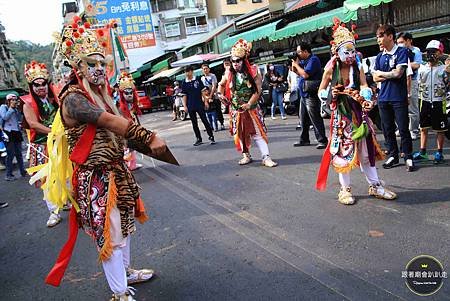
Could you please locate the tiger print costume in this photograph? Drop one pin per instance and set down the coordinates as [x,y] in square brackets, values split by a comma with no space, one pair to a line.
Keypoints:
[103,184]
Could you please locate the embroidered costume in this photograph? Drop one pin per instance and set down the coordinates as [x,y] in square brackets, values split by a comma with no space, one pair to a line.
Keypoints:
[352,140]
[242,86]
[128,100]
[90,131]
[41,105]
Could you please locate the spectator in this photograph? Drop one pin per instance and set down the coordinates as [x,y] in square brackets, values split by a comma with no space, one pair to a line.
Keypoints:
[404,39]
[178,99]
[276,90]
[390,71]
[192,100]
[210,80]
[210,108]
[433,87]
[309,70]
[12,118]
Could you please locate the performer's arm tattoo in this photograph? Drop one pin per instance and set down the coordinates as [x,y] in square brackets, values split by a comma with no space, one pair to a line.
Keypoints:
[79,108]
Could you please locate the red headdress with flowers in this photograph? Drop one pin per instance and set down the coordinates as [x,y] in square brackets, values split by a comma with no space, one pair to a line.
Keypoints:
[35,70]
[342,35]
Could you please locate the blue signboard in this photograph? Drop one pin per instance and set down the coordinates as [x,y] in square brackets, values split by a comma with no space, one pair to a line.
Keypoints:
[133,17]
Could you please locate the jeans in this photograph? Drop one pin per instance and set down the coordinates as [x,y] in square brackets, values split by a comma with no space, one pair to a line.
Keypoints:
[277,100]
[310,114]
[212,118]
[193,117]
[392,112]
[14,149]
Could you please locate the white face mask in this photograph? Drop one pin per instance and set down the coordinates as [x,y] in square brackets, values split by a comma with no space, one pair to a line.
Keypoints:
[347,53]
[271,68]
[401,44]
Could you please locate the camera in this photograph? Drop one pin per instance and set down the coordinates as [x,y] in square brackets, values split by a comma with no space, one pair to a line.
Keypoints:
[293,56]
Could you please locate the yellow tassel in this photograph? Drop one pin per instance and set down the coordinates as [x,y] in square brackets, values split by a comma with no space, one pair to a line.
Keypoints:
[352,164]
[107,249]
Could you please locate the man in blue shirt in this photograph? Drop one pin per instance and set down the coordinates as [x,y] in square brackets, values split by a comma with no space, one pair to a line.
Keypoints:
[390,71]
[12,118]
[404,39]
[192,100]
[310,74]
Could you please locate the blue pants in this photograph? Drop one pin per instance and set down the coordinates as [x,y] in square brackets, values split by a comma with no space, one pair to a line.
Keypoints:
[14,149]
[212,118]
[277,100]
[392,112]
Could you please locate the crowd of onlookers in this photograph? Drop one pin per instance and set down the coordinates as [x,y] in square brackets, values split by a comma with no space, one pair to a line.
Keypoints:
[410,95]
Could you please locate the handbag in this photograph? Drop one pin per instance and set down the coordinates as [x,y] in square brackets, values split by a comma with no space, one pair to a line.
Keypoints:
[311,85]
[281,87]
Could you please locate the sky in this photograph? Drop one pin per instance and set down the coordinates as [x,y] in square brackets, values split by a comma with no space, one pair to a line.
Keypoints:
[33,20]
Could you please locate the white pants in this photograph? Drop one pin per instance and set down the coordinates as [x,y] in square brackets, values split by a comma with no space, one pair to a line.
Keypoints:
[259,141]
[50,206]
[115,268]
[369,171]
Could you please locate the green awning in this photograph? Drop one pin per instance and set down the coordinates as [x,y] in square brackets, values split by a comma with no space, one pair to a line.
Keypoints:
[3,93]
[136,74]
[313,23]
[354,5]
[145,67]
[161,65]
[251,35]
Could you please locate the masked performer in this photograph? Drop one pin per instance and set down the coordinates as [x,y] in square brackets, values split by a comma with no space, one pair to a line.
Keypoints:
[353,142]
[104,190]
[40,108]
[242,85]
[130,110]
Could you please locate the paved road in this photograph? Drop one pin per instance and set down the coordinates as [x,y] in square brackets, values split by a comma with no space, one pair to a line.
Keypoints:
[220,231]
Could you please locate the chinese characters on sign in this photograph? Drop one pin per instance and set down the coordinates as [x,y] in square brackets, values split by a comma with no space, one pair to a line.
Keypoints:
[133,19]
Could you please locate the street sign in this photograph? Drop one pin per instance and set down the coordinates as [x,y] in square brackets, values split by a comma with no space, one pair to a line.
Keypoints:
[133,18]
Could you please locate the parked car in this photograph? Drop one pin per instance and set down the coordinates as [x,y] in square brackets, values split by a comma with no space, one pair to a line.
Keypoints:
[144,102]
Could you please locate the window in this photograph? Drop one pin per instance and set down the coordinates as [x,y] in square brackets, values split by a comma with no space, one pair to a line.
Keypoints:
[157,31]
[196,25]
[162,5]
[172,29]
[231,1]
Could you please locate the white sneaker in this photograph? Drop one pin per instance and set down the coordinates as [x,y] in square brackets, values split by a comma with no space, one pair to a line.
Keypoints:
[397,133]
[127,296]
[137,276]
[53,220]
[414,136]
[273,117]
[283,117]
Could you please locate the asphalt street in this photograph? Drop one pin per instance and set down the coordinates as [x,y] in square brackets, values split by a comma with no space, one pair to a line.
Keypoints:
[220,231]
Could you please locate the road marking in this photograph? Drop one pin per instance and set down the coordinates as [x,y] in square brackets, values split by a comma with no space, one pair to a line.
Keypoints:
[272,239]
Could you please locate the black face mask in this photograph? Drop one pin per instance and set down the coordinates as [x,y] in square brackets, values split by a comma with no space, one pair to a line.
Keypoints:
[432,57]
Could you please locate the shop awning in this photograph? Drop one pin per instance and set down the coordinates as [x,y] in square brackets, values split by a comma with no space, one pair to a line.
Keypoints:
[251,35]
[166,73]
[160,65]
[136,74]
[313,23]
[354,5]
[206,38]
[3,93]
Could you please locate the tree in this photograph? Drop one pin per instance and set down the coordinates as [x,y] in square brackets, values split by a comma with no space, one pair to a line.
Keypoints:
[25,52]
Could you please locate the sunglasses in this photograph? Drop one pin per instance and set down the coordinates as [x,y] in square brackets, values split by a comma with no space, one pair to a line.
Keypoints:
[236,61]
[128,92]
[37,85]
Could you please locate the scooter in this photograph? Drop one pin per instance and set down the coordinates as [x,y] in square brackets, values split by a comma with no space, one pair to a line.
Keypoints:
[291,102]
[181,111]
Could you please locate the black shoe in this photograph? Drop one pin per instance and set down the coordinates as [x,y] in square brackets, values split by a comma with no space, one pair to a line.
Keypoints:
[301,143]
[3,204]
[390,162]
[198,142]
[410,167]
[321,145]
[298,127]
[211,139]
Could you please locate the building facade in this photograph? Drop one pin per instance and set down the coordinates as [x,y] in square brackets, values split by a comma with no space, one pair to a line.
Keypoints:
[8,72]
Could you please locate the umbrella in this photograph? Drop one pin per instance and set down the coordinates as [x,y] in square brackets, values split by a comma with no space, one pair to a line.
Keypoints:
[196,59]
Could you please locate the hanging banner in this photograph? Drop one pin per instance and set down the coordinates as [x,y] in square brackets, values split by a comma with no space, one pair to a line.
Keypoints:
[134,20]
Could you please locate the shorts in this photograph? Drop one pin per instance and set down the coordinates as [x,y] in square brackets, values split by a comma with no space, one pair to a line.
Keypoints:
[433,115]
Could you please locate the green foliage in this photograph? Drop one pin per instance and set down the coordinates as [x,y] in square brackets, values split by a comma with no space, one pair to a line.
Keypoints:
[25,52]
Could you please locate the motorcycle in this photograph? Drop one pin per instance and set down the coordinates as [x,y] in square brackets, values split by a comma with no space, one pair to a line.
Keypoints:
[180,111]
